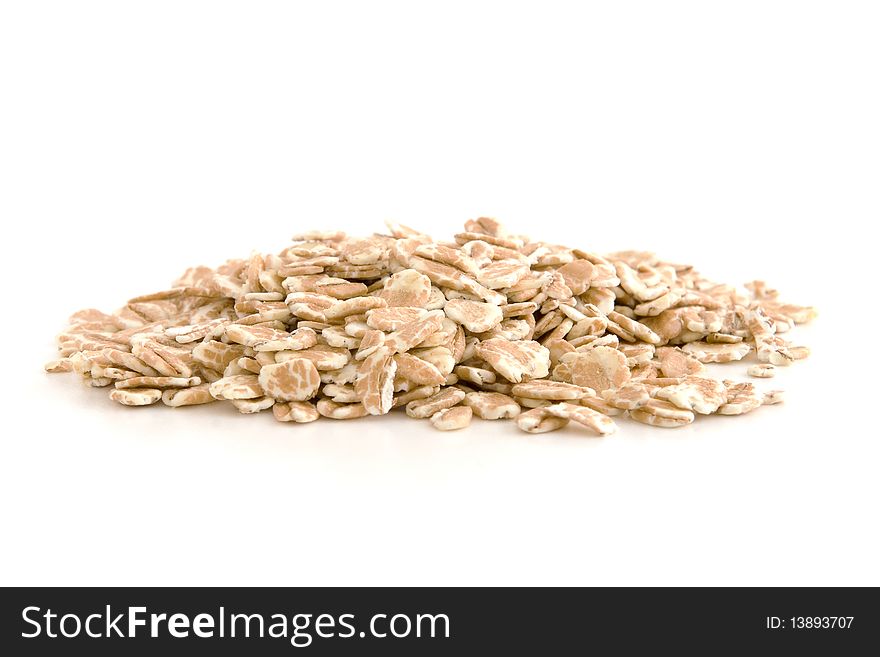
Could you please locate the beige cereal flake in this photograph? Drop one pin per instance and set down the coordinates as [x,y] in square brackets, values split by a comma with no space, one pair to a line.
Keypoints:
[587,417]
[407,337]
[517,360]
[600,368]
[476,375]
[136,396]
[539,420]
[446,398]
[761,371]
[355,306]
[194,396]
[393,318]
[324,357]
[475,316]
[452,419]
[695,393]
[543,389]
[630,396]
[253,405]
[375,381]
[58,365]
[741,398]
[673,362]
[418,371]
[407,288]
[662,414]
[237,386]
[491,405]
[300,412]
[719,352]
[292,380]
[335,411]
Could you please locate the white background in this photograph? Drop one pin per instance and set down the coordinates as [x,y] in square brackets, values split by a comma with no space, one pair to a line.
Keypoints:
[137,139]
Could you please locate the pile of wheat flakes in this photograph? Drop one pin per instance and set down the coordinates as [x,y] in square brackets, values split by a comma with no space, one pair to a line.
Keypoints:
[489,324]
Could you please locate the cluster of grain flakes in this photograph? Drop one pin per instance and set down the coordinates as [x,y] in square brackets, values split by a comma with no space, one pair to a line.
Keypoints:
[489,324]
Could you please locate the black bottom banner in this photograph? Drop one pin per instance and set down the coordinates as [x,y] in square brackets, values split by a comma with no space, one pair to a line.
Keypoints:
[428,621]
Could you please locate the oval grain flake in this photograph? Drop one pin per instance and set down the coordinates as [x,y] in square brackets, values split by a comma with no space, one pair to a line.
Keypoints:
[158,382]
[292,380]
[452,419]
[299,412]
[718,352]
[499,275]
[394,318]
[407,288]
[237,386]
[695,393]
[356,306]
[323,356]
[424,408]
[488,324]
[538,420]
[418,371]
[475,316]
[662,414]
[600,368]
[136,396]
[375,381]
[194,396]
[409,336]
[334,411]
[491,405]
[516,361]
[551,390]
[587,417]
[577,275]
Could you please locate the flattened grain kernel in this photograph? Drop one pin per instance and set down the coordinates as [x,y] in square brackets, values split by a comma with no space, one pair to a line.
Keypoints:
[452,419]
[365,325]
[741,398]
[491,405]
[194,396]
[538,420]
[719,352]
[516,361]
[335,411]
[299,412]
[762,370]
[475,316]
[158,382]
[409,336]
[237,386]
[248,406]
[407,288]
[558,390]
[587,417]
[324,357]
[292,380]
[418,371]
[662,414]
[136,396]
[375,381]
[59,365]
[600,368]
[393,317]
[446,398]
[355,306]
[695,393]
[674,362]
[475,375]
